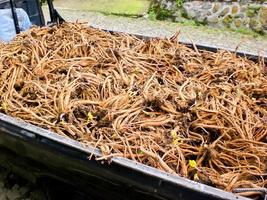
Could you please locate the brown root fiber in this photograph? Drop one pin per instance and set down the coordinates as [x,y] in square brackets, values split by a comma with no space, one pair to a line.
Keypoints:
[201,115]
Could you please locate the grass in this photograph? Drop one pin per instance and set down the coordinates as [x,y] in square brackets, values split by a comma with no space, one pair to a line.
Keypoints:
[116,7]
[136,8]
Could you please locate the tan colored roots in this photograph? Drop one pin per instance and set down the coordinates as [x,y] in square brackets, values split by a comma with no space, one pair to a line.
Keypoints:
[157,102]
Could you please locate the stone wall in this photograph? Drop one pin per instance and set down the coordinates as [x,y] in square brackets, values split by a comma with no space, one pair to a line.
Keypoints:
[240,14]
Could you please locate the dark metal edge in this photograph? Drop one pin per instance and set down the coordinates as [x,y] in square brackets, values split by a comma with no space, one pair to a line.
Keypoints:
[29,130]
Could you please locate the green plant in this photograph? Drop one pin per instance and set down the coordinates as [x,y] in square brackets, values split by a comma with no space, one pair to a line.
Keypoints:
[255,34]
[152,15]
[158,13]
[163,14]
[179,3]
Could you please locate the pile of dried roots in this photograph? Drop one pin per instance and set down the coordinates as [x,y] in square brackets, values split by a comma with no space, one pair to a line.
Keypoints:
[198,114]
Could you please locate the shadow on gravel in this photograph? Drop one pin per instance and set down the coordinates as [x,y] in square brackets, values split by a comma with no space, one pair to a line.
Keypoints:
[13,187]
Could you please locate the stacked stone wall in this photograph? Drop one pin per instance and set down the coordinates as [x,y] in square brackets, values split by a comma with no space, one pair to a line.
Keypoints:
[240,14]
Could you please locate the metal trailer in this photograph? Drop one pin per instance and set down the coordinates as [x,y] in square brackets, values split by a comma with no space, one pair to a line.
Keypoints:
[42,156]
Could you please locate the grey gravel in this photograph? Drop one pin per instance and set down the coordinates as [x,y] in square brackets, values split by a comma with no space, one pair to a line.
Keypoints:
[198,34]
[15,188]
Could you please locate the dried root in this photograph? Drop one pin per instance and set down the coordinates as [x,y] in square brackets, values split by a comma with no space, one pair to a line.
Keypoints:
[201,115]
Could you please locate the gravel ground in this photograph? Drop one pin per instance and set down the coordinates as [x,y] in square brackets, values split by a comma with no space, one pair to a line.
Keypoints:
[198,34]
[13,187]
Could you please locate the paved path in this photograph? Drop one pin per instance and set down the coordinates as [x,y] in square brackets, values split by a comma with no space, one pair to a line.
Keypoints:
[199,34]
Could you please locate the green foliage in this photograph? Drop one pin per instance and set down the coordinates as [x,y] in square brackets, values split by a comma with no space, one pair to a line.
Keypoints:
[133,8]
[189,22]
[163,14]
[254,34]
[179,3]
[152,15]
[251,12]
[158,13]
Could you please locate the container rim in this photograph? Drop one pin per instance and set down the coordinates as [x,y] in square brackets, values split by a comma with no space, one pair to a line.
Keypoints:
[29,130]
